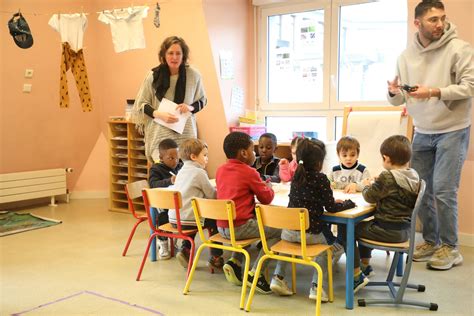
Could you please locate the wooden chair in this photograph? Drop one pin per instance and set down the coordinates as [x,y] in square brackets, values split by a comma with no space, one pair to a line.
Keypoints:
[161,198]
[399,249]
[219,210]
[134,191]
[294,219]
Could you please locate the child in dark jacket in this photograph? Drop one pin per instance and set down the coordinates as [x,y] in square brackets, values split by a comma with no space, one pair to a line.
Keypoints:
[395,192]
[266,163]
[162,175]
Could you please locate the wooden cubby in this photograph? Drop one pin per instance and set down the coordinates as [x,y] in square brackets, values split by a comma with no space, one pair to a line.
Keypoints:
[128,163]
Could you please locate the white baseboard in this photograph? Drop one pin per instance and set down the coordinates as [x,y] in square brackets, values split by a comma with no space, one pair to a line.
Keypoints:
[466,239]
[80,195]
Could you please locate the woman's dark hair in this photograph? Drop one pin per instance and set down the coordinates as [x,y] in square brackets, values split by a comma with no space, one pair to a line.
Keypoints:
[234,142]
[426,5]
[310,154]
[167,44]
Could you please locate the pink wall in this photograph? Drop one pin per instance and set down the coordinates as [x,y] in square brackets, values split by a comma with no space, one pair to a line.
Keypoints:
[53,137]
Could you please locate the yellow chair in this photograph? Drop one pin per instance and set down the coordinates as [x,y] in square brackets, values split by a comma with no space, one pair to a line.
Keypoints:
[219,210]
[293,219]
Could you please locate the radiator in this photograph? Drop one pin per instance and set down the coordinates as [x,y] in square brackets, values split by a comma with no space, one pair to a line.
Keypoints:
[20,186]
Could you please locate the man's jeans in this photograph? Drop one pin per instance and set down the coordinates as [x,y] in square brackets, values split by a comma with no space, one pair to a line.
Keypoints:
[438,158]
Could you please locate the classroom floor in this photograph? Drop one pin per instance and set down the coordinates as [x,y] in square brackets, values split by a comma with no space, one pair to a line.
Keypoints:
[76,268]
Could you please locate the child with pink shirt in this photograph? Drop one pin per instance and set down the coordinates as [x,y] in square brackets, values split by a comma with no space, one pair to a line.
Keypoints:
[287,169]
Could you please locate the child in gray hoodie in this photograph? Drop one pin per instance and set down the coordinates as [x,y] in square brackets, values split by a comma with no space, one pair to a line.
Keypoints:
[394,192]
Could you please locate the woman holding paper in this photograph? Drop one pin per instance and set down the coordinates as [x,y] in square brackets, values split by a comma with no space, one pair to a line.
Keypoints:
[173,80]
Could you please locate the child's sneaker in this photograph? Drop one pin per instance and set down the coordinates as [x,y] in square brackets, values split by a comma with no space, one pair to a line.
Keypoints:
[337,252]
[164,252]
[262,284]
[360,282]
[312,293]
[424,251]
[368,271]
[233,271]
[280,287]
[183,257]
[215,263]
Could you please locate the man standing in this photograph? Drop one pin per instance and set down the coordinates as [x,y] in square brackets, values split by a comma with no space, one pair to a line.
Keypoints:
[436,80]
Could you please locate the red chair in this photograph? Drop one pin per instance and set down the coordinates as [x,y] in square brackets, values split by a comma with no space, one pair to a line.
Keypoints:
[160,198]
[134,191]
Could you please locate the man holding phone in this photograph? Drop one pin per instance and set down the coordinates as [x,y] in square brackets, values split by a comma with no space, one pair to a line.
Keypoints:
[440,67]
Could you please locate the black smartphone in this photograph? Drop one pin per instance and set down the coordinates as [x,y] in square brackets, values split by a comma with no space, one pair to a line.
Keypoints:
[408,88]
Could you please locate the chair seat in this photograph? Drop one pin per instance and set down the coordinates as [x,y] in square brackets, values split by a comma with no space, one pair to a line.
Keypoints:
[291,248]
[169,228]
[400,245]
[242,242]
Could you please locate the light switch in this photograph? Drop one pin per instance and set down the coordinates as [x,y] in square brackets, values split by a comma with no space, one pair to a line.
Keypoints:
[27,87]
[29,73]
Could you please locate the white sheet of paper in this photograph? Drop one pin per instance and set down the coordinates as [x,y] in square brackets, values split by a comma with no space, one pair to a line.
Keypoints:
[170,107]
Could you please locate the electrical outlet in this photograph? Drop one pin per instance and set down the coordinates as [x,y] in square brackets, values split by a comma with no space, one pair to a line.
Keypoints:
[27,87]
[29,73]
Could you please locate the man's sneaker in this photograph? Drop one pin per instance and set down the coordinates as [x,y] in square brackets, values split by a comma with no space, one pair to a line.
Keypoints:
[444,258]
[164,252]
[280,287]
[368,271]
[183,257]
[233,271]
[337,252]
[262,284]
[360,282]
[215,263]
[312,293]
[424,251]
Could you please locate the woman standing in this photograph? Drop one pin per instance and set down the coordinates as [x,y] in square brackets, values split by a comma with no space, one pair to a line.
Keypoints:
[174,80]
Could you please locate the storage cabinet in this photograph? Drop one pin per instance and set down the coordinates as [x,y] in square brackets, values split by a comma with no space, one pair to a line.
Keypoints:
[128,163]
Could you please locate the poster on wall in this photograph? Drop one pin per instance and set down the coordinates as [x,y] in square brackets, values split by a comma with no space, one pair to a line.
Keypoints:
[237,99]
[226,64]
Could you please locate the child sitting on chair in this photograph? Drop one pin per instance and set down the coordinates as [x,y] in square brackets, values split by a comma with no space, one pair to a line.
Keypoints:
[395,192]
[193,181]
[287,169]
[236,180]
[266,163]
[349,175]
[309,189]
[162,175]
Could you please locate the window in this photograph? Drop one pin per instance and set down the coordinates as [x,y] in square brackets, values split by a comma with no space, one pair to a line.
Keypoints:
[315,57]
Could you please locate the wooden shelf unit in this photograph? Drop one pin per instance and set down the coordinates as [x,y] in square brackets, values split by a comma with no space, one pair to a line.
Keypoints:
[128,163]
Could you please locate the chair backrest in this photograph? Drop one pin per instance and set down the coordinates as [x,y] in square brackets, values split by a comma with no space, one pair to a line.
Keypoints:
[282,218]
[383,122]
[162,198]
[416,209]
[223,210]
[134,191]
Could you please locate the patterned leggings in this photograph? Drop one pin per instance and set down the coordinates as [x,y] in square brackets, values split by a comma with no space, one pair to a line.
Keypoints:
[74,61]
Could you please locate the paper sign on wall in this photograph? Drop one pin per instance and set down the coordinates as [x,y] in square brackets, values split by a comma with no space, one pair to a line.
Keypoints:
[226,64]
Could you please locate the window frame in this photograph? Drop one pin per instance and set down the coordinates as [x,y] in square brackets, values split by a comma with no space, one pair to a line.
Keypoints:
[330,106]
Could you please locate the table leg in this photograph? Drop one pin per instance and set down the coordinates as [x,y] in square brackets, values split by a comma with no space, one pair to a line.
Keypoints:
[350,264]
[400,265]
[153,213]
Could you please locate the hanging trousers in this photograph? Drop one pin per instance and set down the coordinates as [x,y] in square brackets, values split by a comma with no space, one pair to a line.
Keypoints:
[74,61]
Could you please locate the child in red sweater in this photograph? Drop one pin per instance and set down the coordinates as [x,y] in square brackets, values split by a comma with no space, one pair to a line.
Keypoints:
[236,180]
